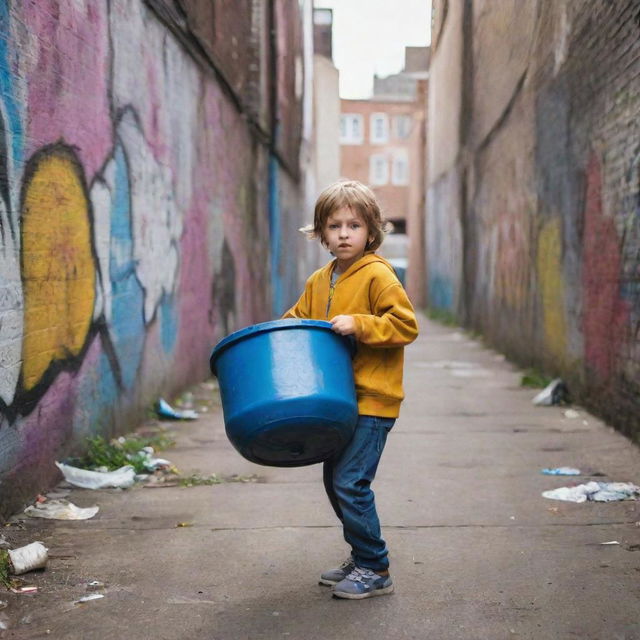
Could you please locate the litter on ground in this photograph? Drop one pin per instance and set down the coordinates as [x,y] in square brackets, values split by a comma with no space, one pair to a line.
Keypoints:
[121,478]
[94,585]
[595,491]
[151,463]
[30,588]
[27,558]
[555,392]
[167,412]
[92,596]
[561,471]
[61,510]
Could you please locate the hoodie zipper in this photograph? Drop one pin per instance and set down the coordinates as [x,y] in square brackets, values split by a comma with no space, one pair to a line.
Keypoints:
[332,290]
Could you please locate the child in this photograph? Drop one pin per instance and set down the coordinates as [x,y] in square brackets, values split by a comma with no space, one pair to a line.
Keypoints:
[360,295]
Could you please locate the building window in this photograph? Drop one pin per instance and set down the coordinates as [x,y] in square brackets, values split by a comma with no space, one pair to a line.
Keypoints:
[378,169]
[400,169]
[379,128]
[351,129]
[403,126]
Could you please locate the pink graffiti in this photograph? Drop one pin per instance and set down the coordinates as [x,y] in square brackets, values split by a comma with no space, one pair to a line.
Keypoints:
[605,313]
[68,95]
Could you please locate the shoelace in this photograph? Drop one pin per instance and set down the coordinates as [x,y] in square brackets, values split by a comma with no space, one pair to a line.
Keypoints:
[347,563]
[359,575]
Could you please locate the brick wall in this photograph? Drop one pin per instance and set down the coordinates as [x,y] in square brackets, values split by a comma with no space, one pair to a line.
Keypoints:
[539,188]
[136,156]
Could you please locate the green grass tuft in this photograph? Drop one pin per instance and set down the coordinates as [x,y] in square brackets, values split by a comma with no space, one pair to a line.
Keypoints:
[4,568]
[196,480]
[534,379]
[120,452]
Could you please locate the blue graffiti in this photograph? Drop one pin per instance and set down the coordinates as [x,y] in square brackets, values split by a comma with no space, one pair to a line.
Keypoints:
[11,109]
[168,323]
[127,325]
[98,395]
[275,228]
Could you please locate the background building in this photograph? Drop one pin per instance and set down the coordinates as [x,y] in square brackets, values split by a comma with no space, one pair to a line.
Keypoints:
[324,167]
[382,143]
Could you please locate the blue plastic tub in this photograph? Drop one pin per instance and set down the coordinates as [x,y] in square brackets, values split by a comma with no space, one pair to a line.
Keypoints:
[287,391]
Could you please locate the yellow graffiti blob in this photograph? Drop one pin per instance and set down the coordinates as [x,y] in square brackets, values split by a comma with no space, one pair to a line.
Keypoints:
[58,269]
[552,289]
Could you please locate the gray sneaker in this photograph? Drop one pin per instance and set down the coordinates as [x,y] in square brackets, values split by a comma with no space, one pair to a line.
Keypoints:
[363,583]
[333,576]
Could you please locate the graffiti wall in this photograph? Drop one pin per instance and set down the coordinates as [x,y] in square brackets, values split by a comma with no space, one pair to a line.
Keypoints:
[134,225]
[548,150]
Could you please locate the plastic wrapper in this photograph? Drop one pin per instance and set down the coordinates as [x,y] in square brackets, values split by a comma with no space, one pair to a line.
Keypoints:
[595,491]
[121,478]
[61,510]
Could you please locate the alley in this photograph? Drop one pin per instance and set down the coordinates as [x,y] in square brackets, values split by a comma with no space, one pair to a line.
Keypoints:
[477,552]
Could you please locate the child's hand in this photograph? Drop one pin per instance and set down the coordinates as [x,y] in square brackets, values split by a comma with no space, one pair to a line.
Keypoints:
[344,325]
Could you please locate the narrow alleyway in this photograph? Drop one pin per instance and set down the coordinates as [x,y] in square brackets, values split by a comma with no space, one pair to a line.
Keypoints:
[477,553]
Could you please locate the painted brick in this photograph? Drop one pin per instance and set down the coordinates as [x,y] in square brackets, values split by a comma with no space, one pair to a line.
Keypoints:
[134,222]
[549,165]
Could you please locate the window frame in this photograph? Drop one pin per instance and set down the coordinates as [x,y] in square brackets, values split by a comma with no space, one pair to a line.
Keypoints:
[402,117]
[384,118]
[350,119]
[373,158]
[400,156]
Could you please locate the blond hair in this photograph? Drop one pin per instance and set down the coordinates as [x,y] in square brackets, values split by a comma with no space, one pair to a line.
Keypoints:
[355,196]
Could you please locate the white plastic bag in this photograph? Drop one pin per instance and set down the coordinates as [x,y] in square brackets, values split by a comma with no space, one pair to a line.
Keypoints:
[60,510]
[121,478]
[579,493]
[595,491]
[554,393]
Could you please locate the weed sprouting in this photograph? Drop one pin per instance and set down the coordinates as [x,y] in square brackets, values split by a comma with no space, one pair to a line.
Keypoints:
[116,453]
[534,379]
[5,566]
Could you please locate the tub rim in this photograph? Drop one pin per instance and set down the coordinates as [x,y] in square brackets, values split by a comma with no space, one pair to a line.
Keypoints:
[265,327]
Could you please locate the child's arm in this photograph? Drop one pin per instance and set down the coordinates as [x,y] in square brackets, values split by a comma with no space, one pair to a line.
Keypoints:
[393,325]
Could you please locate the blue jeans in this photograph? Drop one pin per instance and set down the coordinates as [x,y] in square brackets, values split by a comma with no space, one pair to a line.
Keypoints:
[347,480]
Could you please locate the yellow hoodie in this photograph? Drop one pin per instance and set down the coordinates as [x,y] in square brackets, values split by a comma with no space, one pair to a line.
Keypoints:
[385,322]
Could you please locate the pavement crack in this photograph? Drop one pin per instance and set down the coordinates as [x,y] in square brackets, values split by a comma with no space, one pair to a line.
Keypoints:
[389,526]
[511,526]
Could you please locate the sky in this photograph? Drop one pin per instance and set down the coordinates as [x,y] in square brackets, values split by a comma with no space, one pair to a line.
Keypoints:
[369,37]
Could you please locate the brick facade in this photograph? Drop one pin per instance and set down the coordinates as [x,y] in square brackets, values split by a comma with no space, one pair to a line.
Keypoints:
[535,187]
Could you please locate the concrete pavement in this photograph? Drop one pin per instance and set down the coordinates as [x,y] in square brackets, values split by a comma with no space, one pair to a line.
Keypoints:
[476,552]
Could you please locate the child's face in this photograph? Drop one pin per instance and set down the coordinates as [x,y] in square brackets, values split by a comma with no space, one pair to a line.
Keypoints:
[346,235]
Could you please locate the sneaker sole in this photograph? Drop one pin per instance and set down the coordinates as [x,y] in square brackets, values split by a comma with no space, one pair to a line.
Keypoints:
[328,583]
[361,596]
